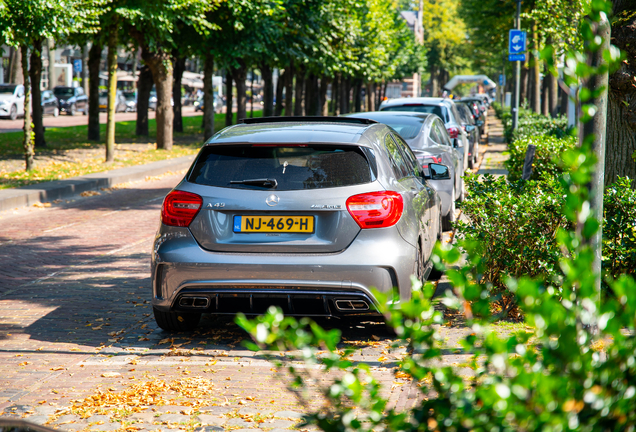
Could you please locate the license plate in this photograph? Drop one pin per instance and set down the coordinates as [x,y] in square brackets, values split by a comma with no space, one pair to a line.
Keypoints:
[102,107]
[274,224]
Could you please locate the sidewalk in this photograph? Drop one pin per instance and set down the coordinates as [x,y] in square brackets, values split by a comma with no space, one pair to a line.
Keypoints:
[12,199]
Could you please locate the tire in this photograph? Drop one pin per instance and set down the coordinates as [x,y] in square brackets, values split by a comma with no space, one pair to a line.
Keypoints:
[176,321]
[447,221]
[13,113]
[85,112]
[56,112]
[471,160]
[436,274]
[72,110]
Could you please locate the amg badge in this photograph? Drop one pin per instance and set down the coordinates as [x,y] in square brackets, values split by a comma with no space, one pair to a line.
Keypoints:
[325,207]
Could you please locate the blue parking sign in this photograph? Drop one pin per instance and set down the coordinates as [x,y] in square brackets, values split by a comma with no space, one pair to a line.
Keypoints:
[77,66]
[517,42]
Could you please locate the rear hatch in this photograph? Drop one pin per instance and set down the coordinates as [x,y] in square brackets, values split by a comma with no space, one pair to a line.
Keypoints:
[279,198]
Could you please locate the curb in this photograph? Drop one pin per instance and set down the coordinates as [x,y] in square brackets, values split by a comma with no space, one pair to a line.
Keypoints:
[49,191]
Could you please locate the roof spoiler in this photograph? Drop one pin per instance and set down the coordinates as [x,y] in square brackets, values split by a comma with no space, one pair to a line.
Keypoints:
[309,119]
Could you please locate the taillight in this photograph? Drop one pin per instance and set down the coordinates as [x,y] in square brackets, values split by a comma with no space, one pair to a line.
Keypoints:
[376,209]
[179,208]
[453,131]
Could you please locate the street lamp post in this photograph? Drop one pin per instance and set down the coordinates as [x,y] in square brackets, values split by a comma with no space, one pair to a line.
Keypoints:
[515,108]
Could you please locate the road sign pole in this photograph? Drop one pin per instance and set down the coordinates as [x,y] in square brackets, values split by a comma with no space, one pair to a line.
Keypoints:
[515,108]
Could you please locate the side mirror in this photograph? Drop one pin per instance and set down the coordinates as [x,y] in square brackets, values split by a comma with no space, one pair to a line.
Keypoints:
[470,128]
[480,123]
[437,172]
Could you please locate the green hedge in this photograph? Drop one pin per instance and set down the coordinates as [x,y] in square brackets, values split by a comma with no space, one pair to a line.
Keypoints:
[515,224]
[546,157]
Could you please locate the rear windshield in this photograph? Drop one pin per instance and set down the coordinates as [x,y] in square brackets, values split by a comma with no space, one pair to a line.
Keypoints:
[430,109]
[407,127]
[63,91]
[311,166]
[7,89]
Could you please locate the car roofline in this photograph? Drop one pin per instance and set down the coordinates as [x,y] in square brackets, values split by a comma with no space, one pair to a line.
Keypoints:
[309,119]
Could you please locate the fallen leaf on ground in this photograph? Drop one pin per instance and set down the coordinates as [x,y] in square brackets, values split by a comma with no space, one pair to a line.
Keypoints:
[110,374]
[58,368]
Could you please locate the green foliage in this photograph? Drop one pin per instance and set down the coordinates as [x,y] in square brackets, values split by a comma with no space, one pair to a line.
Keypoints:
[546,156]
[513,226]
[532,124]
[619,229]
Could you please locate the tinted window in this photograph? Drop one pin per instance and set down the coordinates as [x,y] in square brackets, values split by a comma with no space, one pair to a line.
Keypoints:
[293,167]
[407,127]
[397,161]
[443,134]
[63,91]
[7,89]
[430,109]
[434,134]
[409,157]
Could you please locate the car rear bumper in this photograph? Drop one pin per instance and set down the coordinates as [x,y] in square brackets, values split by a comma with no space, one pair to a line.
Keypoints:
[187,277]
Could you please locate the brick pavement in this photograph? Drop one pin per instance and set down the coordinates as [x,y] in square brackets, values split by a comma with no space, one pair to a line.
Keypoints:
[75,321]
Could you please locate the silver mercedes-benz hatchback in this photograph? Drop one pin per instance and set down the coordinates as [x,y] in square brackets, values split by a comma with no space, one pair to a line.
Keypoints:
[308,214]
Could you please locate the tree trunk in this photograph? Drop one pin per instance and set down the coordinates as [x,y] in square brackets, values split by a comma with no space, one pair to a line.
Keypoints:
[112,93]
[434,82]
[280,84]
[179,67]
[344,95]
[357,107]
[268,90]
[84,67]
[545,96]
[28,141]
[312,102]
[371,96]
[240,75]
[553,91]
[289,90]
[35,74]
[252,94]
[348,88]
[523,90]
[324,103]
[229,115]
[536,96]
[299,108]
[208,97]
[161,68]
[160,65]
[17,70]
[621,112]
[94,59]
[144,87]
[335,95]
[563,105]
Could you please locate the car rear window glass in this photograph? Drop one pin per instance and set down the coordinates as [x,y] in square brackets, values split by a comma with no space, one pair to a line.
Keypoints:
[63,91]
[294,167]
[430,109]
[407,127]
[7,89]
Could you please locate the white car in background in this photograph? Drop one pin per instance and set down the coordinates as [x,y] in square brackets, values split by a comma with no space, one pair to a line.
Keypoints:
[11,100]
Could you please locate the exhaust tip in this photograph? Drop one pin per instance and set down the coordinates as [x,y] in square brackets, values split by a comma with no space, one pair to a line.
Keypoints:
[194,302]
[352,305]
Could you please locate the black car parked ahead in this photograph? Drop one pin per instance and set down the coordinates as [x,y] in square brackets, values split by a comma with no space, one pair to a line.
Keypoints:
[72,99]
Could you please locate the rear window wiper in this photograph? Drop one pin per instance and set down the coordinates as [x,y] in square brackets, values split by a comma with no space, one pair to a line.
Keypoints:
[265,182]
